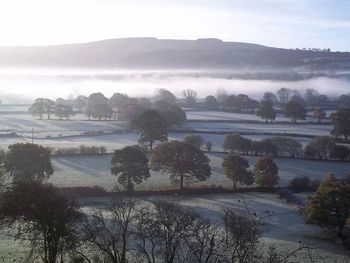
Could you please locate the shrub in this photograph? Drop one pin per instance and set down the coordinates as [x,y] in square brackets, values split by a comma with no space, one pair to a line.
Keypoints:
[300,184]
[289,197]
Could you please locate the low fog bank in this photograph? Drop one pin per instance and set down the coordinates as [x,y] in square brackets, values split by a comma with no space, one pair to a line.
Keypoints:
[22,86]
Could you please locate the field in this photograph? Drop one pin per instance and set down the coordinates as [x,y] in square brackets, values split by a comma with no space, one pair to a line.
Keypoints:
[285,228]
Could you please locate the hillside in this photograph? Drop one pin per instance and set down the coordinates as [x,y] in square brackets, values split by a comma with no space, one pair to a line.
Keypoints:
[152,53]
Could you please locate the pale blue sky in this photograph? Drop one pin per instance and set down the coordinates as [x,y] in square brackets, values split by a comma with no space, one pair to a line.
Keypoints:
[279,23]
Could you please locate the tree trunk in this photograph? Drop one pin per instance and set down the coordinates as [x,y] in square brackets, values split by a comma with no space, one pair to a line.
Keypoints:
[151,145]
[181,182]
[266,120]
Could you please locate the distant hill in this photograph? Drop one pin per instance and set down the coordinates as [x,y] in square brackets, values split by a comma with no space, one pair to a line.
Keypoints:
[152,53]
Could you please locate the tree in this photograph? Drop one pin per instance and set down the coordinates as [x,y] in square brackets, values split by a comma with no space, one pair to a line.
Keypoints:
[194,140]
[295,111]
[151,127]
[266,172]
[311,96]
[329,207]
[190,97]
[284,146]
[234,142]
[173,114]
[241,236]
[208,146]
[164,94]
[270,97]
[63,111]
[49,106]
[80,103]
[97,106]
[210,102]
[118,100]
[41,215]
[28,162]
[110,237]
[38,108]
[320,147]
[182,161]
[130,165]
[236,169]
[283,95]
[341,123]
[319,114]
[340,152]
[129,112]
[266,111]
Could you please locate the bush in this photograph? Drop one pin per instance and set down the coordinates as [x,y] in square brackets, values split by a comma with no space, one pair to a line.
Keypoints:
[300,184]
[82,149]
[289,197]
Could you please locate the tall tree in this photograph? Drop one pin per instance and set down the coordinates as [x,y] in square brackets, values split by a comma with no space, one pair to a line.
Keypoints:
[341,123]
[283,95]
[49,107]
[294,110]
[236,169]
[182,161]
[266,111]
[27,162]
[130,165]
[38,108]
[266,172]
[41,215]
[151,127]
[270,97]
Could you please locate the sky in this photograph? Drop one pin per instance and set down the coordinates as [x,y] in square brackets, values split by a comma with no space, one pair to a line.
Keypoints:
[278,23]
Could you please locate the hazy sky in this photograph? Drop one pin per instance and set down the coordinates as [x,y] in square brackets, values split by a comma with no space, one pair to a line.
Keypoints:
[281,23]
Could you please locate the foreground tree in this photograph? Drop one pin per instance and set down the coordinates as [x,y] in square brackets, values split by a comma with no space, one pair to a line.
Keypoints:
[341,122]
[44,217]
[109,237]
[266,172]
[28,162]
[182,161]
[329,207]
[151,127]
[130,165]
[295,111]
[266,111]
[210,102]
[236,169]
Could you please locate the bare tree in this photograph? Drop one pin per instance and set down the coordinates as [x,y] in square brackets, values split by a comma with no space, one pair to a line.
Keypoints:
[190,96]
[110,234]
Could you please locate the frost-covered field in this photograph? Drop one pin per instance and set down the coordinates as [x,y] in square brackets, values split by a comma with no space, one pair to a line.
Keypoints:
[221,115]
[308,129]
[95,170]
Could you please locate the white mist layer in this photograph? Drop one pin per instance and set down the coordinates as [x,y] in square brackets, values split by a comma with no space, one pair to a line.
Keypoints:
[24,86]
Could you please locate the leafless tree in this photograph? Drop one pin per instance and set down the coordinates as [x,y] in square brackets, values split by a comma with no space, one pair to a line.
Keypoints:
[109,234]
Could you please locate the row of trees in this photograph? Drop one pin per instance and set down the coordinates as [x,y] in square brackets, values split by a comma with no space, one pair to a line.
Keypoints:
[311,98]
[321,147]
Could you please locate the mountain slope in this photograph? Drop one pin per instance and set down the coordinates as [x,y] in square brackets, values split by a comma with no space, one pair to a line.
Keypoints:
[146,53]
